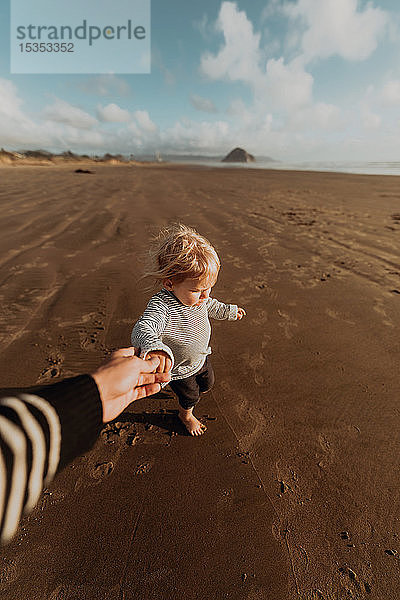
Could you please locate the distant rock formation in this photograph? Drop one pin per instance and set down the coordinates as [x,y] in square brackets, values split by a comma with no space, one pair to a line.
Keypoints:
[238,155]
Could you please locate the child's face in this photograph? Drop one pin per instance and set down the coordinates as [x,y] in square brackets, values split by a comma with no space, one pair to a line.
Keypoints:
[191,292]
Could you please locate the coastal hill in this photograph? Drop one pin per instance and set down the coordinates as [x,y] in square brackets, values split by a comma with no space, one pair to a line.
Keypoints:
[238,155]
[45,158]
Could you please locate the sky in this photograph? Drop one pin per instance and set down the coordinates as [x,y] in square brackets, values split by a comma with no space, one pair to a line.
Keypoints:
[295,80]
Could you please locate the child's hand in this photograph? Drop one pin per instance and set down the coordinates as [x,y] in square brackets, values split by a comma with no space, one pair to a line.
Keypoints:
[241,313]
[126,378]
[165,361]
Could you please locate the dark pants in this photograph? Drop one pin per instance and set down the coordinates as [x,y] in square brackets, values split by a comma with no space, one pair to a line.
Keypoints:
[189,389]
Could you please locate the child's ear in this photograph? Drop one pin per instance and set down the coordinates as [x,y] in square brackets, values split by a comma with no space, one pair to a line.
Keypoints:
[168,284]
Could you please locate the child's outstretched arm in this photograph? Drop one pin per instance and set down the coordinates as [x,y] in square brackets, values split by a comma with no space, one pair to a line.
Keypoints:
[146,334]
[219,310]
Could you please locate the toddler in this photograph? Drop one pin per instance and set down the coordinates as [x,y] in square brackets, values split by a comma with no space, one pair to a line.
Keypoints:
[175,325]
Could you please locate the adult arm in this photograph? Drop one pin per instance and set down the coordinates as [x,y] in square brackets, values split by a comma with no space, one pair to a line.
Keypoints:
[40,433]
[43,429]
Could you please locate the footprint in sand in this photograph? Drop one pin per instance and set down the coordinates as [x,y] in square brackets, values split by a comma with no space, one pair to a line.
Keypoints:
[60,593]
[120,432]
[50,372]
[144,467]
[69,591]
[258,365]
[89,341]
[287,324]
[54,360]
[15,568]
[357,582]
[132,439]
[102,470]
[88,337]
[113,432]
[8,572]
[328,451]
[338,316]
[380,309]
[50,498]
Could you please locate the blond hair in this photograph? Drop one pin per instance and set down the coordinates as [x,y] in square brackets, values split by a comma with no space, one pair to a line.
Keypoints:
[178,252]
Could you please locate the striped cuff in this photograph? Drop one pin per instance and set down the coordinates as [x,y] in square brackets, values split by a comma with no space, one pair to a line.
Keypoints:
[233,312]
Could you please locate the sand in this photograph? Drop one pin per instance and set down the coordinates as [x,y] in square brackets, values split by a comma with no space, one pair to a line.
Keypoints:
[293,492]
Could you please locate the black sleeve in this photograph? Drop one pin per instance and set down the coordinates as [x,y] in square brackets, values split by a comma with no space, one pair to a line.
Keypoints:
[41,430]
[77,403]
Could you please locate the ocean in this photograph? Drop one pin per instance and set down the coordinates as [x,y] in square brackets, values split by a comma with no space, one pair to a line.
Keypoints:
[360,167]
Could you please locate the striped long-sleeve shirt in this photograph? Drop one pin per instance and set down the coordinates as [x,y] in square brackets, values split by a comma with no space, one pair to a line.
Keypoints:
[41,430]
[183,332]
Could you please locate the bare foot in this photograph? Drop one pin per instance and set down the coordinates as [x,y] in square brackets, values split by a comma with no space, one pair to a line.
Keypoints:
[192,424]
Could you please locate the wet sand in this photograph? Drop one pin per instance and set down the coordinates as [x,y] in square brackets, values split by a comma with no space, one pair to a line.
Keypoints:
[294,490]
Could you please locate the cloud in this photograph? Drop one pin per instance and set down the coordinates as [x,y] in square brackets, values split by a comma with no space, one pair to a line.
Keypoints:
[270,10]
[144,122]
[286,86]
[204,27]
[169,77]
[191,136]
[282,86]
[278,85]
[157,62]
[62,126]
[390,94]
[112,113]
[68,137]
[238,58]
[11,103]
[63,112]
[337,27]
[202,104]
[104,85]
[16,127]
[319,116]
[370,120]
[237,108]
[46,130]
[283,115]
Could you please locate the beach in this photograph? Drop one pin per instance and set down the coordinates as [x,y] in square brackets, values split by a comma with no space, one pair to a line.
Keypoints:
[293,492]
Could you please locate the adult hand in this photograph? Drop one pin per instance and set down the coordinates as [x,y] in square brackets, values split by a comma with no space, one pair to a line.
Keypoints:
[125,378]
[165,361]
